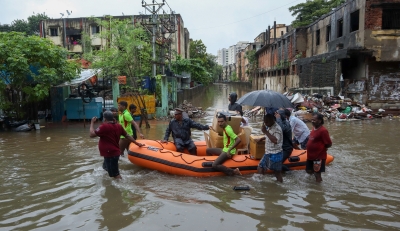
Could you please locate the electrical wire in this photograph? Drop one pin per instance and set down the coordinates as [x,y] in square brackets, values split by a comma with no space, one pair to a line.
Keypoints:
[245,18]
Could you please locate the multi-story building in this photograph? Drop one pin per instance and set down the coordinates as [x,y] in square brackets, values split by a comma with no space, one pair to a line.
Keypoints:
[353,50]
[228,56]
[67,32]
[222,57]
[232,54]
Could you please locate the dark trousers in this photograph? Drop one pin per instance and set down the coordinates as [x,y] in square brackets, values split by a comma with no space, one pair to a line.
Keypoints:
[286,154]
[189,144]
[217,164]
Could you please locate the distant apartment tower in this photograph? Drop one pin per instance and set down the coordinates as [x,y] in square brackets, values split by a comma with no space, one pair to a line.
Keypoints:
[232,54]
[223,57]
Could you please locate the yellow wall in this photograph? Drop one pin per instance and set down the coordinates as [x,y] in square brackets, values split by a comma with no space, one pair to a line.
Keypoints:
[149,101]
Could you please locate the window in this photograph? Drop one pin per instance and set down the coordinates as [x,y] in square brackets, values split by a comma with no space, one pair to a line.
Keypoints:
[301,69]
[354,20]
[328,33]
[95,48]
[95,29]
[317,35]
[340,28]
[53,31]
[391,19]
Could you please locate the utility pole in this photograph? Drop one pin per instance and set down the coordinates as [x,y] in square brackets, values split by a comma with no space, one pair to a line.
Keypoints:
[161,24]
[152,8]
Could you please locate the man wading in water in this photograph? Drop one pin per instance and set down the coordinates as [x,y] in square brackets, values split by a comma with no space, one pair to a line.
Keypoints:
[109,133]
[318,143]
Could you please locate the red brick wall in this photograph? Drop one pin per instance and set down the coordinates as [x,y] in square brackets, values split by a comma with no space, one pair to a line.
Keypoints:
[373,14]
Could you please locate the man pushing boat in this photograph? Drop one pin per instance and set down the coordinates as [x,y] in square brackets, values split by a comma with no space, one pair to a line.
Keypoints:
[180,129]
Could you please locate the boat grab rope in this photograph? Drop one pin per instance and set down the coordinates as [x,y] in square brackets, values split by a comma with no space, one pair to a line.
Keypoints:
[302,153]
[181,156]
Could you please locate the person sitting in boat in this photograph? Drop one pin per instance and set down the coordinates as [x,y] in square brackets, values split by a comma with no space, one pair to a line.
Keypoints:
[180,129]
[231,140]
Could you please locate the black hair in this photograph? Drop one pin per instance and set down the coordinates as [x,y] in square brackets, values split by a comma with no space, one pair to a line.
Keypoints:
[123,103]
[320,117]
[132,106]
[269,116]
[222,116]
[287,112]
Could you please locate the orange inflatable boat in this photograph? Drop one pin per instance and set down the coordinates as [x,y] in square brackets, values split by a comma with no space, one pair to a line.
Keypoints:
[164,158]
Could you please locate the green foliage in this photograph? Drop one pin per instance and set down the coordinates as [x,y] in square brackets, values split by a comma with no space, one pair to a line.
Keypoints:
[311,10]
[128,52]
[202,66]
[194,67]
[233,76]
[29,27]
[282,64]
[253,62]
[19,53]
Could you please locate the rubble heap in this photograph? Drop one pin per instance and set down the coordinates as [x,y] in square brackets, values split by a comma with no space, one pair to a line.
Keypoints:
[192,111]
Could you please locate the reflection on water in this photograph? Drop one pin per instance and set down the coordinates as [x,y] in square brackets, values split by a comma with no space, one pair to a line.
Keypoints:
[60,184]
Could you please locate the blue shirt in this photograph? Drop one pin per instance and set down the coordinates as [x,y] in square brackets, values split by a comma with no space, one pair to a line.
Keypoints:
[299,129]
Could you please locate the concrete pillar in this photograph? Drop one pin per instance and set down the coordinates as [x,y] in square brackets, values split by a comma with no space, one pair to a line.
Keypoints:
[115,91]
[163,110]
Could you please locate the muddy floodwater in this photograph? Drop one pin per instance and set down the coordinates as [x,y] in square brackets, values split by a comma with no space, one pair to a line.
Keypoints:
[59,184]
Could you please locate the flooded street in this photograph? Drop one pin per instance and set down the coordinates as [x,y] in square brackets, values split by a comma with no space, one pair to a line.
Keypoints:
[60,184]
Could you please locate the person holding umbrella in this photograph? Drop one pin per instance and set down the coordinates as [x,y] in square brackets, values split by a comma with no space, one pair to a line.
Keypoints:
[273,156]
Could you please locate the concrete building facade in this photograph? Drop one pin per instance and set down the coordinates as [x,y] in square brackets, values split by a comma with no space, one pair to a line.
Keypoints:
[351,51]
[67,32]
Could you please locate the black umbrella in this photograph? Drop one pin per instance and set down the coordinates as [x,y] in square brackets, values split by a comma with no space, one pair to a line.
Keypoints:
[265,98]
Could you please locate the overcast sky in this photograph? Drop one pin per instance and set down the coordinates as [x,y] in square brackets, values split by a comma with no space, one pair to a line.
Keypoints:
[218,23]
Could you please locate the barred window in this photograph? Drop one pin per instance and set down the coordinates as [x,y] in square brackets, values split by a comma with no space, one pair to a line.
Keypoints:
[391,19]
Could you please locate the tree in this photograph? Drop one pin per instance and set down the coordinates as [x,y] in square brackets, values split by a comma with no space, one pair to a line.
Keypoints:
[30,27]
[233,76]
[252,63]
[34,22]
[311,10]
[198,50]
[128,53]
[193,66]
[202,66]
[30,66]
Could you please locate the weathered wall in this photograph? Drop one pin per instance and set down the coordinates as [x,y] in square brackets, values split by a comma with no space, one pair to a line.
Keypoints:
[385,43]
[278,83]
[383,81]
[347,40]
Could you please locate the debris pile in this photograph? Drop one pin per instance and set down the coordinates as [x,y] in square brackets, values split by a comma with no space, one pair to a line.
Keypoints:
[192,111]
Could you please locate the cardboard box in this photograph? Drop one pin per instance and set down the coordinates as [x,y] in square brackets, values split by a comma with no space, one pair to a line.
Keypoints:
[217,141]
[257,149]
[232,119]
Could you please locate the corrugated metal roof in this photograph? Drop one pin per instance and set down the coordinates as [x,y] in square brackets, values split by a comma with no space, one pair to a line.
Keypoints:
[85,75]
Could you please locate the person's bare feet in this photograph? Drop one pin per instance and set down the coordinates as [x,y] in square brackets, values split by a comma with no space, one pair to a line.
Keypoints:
[237,172]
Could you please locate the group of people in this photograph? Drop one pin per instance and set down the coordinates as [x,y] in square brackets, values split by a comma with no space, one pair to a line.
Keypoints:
[116,133]
[278,129]
[283,133]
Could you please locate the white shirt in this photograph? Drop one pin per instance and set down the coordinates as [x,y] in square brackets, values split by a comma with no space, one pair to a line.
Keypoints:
[299,129]
[271,148]
[244,124]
